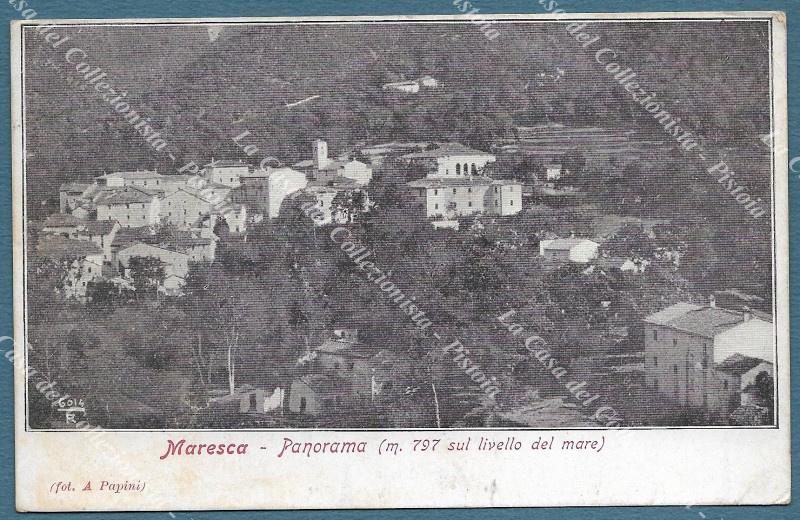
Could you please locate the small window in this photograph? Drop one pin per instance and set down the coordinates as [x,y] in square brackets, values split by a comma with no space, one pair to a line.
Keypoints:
[655,361]
[458,169]
[725,384]
[454,191]
[674,342]
[495,189]
[435,192]
[510,202]
[469,204]
[469,190]
[655,335]
[435,206]
[495,204]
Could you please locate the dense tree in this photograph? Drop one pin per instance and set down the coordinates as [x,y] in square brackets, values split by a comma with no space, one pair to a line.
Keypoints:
[147,274]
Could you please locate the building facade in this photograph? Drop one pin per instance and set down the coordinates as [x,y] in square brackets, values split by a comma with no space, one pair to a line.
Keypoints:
[693,352]
[131,207]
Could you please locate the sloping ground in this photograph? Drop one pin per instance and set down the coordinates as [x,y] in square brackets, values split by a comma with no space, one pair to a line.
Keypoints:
[547,413]
[594,142]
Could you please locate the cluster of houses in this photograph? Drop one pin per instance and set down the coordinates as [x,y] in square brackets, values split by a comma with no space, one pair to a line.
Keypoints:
[449,182]
[699,356]
[327,379]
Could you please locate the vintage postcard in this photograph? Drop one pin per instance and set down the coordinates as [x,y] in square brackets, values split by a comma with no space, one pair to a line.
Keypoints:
[400,262]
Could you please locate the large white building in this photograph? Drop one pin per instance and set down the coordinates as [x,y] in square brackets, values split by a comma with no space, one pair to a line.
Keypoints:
[450,198]
[454,184]
[226,173]
[264,190]
[449,161]
[703,356]
[130,206]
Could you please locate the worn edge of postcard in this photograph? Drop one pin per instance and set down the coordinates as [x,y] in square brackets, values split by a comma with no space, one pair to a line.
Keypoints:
[696,466]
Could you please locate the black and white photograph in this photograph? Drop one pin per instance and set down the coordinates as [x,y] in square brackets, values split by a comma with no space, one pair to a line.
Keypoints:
[399,225]
[462,260]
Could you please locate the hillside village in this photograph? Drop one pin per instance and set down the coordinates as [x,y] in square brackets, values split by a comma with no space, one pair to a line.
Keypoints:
[616,307]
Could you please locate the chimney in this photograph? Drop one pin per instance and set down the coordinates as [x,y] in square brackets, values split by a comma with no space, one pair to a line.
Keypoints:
[712,302]
[746,314]
[320,154]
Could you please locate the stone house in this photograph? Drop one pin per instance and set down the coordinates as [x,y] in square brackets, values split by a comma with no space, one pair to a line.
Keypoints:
[694,354]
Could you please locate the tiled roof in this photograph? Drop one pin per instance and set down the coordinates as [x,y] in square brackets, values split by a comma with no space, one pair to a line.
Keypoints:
[74,187]
[738,364]
[332,164]
[97,227]
[125,195]
[227,163]
[445,150]
[187,241]
[60,247]
[341,183]
[138,174]
[62,220]
[151,246]
[194,193]
[695,319]
[430,182]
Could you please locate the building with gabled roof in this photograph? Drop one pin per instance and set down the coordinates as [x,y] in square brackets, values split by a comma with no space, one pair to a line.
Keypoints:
[580,250]
[130,206]
[70,195]
[264,190]
[451,197]
[137,178]
[315,394]
[101,233]
[176,263]
[82,262]
[696,355]
[227,172]
[63,224]
[186,206]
